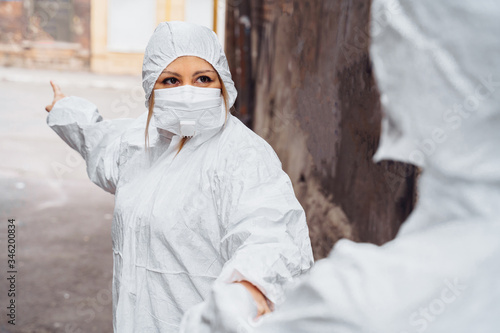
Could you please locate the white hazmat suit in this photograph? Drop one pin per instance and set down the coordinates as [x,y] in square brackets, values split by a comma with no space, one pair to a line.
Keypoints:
[222,209]
[437,65]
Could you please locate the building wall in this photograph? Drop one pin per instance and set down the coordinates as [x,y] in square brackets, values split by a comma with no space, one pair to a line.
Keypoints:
[306,66]
[45,34]
[11,22]
[105,61]
[104,36]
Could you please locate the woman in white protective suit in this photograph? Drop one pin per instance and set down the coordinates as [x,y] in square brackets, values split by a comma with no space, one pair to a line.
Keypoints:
[437,66]
[204,202]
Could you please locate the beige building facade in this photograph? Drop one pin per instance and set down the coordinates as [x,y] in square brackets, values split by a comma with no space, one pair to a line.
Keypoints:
[119,35]
[103,36]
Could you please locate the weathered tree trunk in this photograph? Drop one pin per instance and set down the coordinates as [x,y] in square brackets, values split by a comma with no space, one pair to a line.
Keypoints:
[316,103]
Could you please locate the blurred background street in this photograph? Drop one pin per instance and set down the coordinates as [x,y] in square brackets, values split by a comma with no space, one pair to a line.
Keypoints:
[63,251]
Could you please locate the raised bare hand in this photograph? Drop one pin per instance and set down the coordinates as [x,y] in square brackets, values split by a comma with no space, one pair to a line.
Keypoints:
[57,96]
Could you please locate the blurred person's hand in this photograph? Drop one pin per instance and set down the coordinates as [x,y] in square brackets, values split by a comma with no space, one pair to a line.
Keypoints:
[57,96]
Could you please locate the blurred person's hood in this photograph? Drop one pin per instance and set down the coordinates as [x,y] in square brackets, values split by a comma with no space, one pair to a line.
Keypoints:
[438,73]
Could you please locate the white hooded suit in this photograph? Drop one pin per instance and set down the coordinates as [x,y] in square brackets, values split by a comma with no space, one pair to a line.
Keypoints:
[222,209]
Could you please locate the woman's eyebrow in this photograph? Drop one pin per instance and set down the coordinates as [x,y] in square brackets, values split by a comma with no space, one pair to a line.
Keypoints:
[171,73]
[204,71]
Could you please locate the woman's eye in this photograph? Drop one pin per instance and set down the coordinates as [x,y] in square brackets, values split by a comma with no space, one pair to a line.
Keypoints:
[204,79]
[170,80]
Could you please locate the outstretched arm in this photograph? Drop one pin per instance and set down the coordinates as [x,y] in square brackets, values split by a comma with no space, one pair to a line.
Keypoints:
[78,122]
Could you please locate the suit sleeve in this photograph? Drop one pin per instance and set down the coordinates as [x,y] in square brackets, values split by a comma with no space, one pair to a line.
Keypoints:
[78,122]
[266,238]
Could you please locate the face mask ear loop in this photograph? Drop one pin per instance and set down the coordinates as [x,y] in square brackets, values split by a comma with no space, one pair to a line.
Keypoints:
[226,111]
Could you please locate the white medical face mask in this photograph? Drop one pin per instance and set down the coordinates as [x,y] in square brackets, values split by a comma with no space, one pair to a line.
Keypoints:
[187,110]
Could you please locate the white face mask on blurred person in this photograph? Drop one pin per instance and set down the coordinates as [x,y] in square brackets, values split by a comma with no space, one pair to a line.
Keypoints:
[187,110]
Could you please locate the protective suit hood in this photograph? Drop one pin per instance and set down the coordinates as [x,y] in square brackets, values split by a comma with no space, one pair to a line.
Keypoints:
[174,39]
[452,124]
